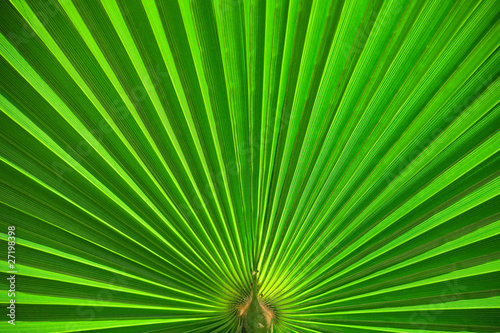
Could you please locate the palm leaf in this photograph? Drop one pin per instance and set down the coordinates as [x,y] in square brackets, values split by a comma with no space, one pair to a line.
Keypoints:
[247,166]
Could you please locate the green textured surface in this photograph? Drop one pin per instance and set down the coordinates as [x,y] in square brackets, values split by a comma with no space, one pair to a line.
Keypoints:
[153,153]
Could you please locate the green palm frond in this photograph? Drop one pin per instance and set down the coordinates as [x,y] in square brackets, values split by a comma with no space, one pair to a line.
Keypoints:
[250,165]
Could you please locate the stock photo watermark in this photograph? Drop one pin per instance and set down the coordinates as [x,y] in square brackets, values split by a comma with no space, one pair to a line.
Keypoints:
[90,307]
[451,292]
[11,271]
